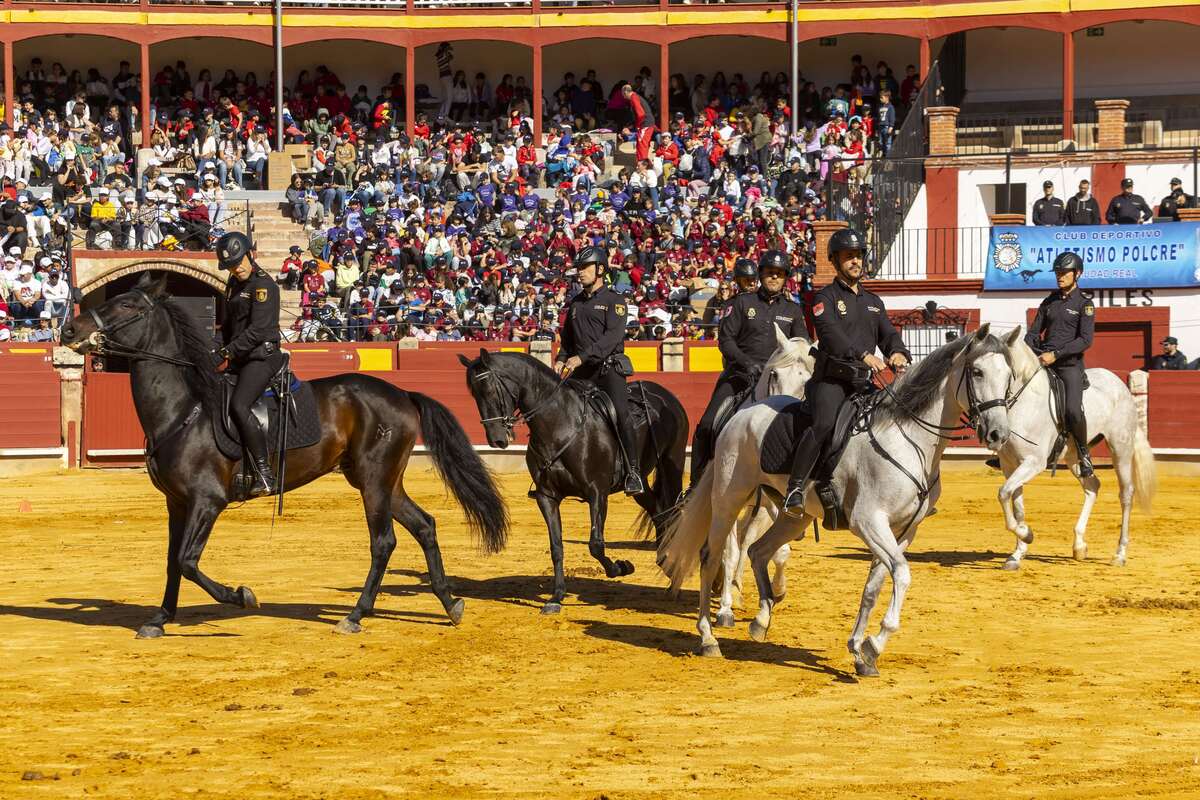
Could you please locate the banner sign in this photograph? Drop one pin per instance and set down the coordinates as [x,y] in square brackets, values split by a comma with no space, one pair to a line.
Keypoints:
[1114,256]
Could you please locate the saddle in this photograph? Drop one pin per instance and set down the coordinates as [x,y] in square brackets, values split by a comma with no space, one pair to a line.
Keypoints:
[601,404]
[728,408]
[1058,392]
[303,428]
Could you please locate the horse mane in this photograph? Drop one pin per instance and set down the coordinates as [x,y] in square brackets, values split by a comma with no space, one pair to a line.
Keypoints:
[921,386]
[197,347]
[1024,363]
[530,361]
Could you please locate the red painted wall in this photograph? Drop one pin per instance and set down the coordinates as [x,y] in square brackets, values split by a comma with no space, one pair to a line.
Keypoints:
[30,397]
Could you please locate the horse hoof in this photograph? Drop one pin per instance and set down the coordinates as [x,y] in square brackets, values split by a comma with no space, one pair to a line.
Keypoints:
[1118,561]
[725,619]
[1080,553]
[1011,565]
[347,626]
[864,670]
[455,612]
[758,632]
[626,567]
[149,632]
[552,608]
[869,655]
[710,650]
[248,598]
[777,599]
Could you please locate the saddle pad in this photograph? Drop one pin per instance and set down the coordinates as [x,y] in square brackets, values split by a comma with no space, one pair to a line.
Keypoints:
[304,426]
[775,457]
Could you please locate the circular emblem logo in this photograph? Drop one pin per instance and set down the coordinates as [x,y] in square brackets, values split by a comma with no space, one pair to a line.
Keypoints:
[751,313]
[841,306]
[1007,254]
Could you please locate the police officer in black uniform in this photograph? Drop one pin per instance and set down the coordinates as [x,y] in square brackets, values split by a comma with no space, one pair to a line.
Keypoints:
[1177,199]
[250,332]
[1049,210]
[851,323]
[746,338]
[1128,208]
[1060,333]
[1170,357]
[593,349]
[745,275]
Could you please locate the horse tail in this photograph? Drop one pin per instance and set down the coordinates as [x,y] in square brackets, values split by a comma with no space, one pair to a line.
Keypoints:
[1145,481]
[461,469]
[679,550]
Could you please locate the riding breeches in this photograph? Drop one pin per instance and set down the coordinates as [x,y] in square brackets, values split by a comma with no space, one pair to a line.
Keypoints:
[1072,378]
[253,379]
[612,384]
[825,398]
[704,439]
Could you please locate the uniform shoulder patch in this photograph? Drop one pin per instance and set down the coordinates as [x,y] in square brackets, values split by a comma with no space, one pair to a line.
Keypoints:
[260,295]
[818,309]
[1089,309]
[620,309]
[751,312]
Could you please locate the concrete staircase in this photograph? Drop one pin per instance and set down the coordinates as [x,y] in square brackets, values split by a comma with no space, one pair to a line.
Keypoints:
[274,233]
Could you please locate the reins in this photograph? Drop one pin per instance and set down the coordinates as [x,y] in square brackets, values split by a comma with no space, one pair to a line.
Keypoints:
[104,342]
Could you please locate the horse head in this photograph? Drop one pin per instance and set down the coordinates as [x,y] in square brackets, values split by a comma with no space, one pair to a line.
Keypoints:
[128,313]
[984,387]
[788,368]
[497,403]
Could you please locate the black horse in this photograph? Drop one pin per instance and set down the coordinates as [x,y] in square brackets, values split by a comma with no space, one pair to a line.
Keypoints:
[368,429]
[573,452]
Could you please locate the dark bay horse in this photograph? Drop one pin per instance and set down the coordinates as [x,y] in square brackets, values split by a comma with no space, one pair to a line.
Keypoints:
[368,429]
[573,453]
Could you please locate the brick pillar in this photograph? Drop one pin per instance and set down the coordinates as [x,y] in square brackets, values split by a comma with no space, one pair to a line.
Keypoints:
[1007,219]
[672,355]
[1112,124]
[1189,215]
[69,366]
[823,229]
[943,130]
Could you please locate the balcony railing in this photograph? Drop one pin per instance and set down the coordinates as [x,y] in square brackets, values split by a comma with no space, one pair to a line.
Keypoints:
[436,5]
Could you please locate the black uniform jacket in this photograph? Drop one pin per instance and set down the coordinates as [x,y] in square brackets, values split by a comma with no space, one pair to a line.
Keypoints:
[594,328]
[850,325]
[251,317]
[746,336]
[1063,326]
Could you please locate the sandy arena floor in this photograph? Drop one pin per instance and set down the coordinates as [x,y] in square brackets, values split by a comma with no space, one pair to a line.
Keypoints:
[1066,680]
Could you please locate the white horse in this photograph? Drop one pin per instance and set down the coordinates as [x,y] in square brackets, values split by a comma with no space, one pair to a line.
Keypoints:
[785,373]
[1110,412]
[886,478]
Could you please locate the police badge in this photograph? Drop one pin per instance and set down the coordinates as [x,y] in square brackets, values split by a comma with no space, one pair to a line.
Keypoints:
[260,295]
[1007,254]
[620,309]
[750,312]
[842,307]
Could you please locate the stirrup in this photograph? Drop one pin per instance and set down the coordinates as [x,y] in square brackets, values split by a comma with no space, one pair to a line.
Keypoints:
[793,504]
[633,483]
[1086,470]
[264,482]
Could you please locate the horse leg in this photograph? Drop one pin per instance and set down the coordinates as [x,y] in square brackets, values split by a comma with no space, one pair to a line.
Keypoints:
[1123,466]
[710,563]
[549,508]
[1091,487]
[1013,505]
[761,554]
[598,508]
[730,562]
[383,541]
[878,536]
[170,602]
[201,517]
[779,582]
[421,525]
[866,605]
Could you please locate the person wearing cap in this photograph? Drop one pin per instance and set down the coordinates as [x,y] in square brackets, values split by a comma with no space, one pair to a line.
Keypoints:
[1048,210]
[26,295]
[1082,208]
[291,269]
[593,349]
[103,215]
[1060,333]
[250,333]
[56,295]
[1177,199]
[1170,357]
[747,339]
[851,323]
[1128,208]
[43,332]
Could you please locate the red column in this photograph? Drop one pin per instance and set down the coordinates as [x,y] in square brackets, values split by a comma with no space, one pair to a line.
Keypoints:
[10,73]
[537,95]
[410,89]
[664,86]
[923,63]
[941,248]
[145,110]
[1068,88]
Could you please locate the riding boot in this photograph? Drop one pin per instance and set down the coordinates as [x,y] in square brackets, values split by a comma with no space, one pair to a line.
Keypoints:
[265,484]
[808,451]
[633,475]
[255,440]
[1085,458]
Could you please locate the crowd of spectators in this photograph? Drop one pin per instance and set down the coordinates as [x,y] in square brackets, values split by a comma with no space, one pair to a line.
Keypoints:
[465,229]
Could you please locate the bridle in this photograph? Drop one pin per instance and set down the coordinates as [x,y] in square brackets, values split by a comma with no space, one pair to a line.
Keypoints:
[515,415]
[103,341]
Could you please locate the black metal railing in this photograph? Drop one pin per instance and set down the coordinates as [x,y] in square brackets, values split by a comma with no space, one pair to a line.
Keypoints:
[195,236]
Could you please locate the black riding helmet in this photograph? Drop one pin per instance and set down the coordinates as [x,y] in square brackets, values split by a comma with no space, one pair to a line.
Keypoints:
[744,268]
[232,248]
[846,240]
[591,255]
[774,259]
[1068,261]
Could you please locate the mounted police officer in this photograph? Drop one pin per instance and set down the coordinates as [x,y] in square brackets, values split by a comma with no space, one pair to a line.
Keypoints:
[851,323]
[593,349]
[746,338]
[1060,333]
[250,332]
[745,275]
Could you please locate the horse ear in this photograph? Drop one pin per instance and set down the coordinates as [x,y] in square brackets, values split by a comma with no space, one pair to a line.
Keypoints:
[483,356]
[1013,336]
[466,362]
[153,283]
[780,339]
[982,333]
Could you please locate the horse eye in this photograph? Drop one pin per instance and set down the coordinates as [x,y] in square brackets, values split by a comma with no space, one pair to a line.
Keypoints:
[976,372]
